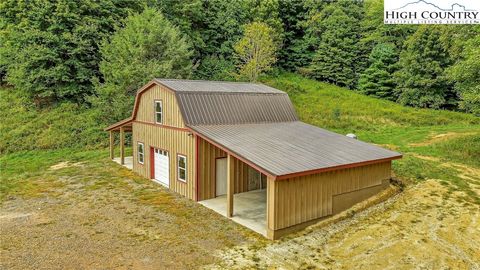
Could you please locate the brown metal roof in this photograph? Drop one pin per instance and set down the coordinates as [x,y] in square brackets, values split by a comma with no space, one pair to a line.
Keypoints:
[125,123]
[216,86]
[293,147]
[206,108]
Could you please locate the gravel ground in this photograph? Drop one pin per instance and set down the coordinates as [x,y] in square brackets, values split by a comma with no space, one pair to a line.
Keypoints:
[416,229]
[98,215]
[91,221]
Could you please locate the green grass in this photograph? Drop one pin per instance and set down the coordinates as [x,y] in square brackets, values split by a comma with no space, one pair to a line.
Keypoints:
[407,130]
[70,129]
[24,127]
[343,110]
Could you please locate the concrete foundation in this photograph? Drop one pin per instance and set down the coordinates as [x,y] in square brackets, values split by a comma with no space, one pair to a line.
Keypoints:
[128,162]
[249,209]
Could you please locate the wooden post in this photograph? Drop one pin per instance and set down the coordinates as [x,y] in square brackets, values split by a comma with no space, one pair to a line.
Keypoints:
[271,197]
[230,185]
[122,146]
[112,145]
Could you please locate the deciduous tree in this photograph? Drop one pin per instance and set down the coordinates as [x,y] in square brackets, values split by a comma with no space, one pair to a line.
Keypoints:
[50,48]
[421,79]
[255,51]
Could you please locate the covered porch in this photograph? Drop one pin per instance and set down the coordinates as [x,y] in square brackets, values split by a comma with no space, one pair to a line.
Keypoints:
[250,209]
[120,128]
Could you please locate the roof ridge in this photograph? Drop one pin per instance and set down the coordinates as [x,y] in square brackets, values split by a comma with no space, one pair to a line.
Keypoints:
[208,81]
[231,92]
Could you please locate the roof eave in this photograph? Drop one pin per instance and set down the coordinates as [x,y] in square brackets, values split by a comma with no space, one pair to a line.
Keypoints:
[339,167]
[119,124]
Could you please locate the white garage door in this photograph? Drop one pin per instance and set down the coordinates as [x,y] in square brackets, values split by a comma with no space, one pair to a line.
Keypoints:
[162,166]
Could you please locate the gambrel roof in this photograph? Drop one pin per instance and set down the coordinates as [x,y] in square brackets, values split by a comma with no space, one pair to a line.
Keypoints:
[258,124]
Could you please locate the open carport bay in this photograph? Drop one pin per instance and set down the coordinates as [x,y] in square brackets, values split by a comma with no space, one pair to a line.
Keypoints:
[249,209]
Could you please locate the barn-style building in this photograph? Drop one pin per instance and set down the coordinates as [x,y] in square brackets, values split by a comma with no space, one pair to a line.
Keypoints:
[240,149]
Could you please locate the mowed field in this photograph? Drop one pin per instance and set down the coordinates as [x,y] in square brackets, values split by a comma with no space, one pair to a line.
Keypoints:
[75,209]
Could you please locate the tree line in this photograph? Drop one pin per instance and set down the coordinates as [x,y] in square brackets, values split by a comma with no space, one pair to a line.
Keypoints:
[99,52]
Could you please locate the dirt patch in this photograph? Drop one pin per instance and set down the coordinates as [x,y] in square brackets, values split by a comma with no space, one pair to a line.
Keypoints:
[65,164]
[102,216]
[415,229]
[441,137]
[470,174]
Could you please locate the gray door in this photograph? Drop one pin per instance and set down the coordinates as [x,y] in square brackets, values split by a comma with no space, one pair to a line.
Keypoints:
[221,176]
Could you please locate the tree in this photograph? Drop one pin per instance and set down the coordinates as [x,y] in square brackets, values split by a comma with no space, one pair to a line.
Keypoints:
[215,68]
[147,47]
[50,48]
[377,80]
[466,75]
[255,51]
[375,31]
[338,29]
[296,50]
[421,79]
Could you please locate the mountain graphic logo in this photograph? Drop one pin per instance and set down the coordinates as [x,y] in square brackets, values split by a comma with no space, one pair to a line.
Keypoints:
[452,7]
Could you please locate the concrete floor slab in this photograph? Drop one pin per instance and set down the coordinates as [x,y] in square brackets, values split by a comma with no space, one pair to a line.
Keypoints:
[249,209]
[128,162]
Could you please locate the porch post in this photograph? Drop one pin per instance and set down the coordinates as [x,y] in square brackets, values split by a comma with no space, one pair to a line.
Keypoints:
[271,212]
[122,145]
[230,185]
[112,146]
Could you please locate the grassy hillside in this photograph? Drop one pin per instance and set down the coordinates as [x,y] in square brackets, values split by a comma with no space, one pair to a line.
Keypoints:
[344,110]
[435,144]
[23,127]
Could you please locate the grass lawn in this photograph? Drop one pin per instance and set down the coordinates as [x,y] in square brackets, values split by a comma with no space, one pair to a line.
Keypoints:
[74,208]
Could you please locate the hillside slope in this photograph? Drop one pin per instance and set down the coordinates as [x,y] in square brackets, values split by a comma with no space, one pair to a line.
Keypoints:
[435,144]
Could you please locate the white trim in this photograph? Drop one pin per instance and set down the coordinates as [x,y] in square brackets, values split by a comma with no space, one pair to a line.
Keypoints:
[178,168]
[143,153]
[155,102]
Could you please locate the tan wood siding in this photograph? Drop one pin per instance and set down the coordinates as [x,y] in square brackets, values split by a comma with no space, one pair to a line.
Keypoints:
[208,154]
[171,111]
[175,142]
[172,140]
[300,199]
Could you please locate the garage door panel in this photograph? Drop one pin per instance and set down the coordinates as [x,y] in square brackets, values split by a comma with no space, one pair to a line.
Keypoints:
[162,166]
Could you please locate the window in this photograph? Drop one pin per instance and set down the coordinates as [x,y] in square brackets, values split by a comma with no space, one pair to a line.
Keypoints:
[140,152]
[182,168]
[158,112]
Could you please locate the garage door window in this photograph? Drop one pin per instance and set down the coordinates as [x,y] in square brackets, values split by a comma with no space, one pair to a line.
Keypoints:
[182,168]
[140,152]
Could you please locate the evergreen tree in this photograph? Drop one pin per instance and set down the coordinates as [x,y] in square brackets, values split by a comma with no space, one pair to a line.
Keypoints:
[49,49]
[336,56]
[147,47]
[377,80]
[421,79]
[296,50]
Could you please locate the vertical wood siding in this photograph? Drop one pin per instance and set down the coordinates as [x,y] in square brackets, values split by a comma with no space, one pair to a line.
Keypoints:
[207,155]
[171,111]
[171,140]
[305,198]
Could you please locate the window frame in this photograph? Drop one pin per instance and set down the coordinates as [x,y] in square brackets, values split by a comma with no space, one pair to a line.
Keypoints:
[155,113]
[143,153]
[179,168]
